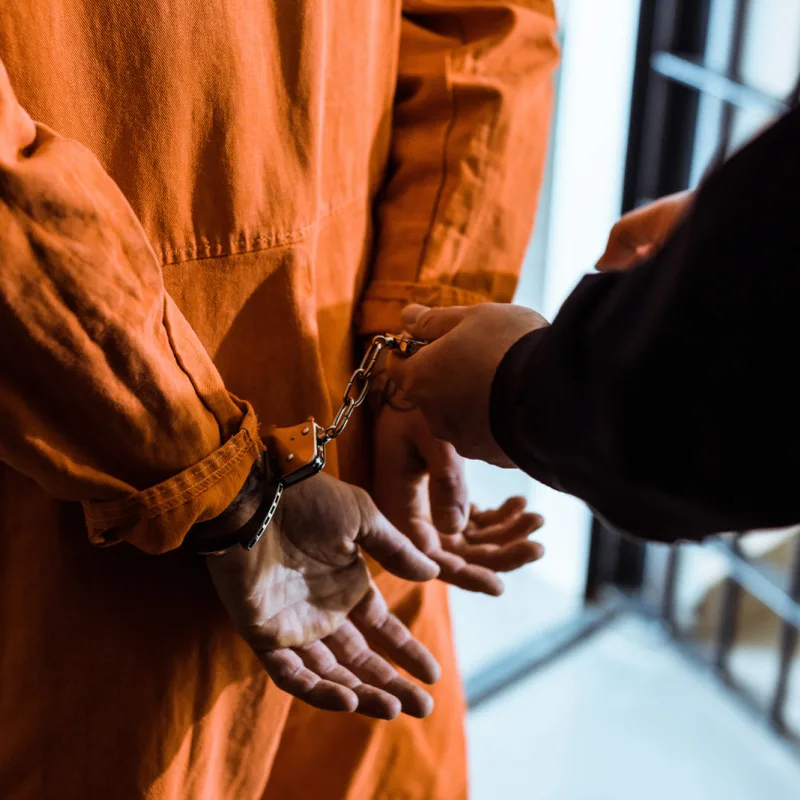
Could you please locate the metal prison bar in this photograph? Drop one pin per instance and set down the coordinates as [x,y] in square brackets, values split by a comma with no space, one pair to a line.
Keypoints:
[670,77]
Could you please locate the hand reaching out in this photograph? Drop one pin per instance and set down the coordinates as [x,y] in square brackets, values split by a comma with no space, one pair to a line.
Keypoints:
[637,234]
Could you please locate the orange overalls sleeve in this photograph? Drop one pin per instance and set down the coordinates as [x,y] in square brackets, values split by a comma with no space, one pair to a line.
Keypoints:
[470,130]
[107,397]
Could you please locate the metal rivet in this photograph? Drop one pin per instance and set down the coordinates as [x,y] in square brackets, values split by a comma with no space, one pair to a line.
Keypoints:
[290,457]
[304,431]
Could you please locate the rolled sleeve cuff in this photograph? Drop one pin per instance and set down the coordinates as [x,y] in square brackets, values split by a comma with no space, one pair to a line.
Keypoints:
[158,518]
[384,300]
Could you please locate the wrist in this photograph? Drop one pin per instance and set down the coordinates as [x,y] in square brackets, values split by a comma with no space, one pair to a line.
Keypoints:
[385,393]
[241,509]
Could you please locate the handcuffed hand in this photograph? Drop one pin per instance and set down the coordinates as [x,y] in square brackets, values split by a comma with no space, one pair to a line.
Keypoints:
[303,599]
[420,485]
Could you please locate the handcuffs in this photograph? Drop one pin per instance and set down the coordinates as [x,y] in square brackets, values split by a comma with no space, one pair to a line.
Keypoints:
[297,453]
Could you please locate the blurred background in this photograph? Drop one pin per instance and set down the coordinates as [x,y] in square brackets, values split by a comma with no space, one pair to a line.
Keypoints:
[612,670]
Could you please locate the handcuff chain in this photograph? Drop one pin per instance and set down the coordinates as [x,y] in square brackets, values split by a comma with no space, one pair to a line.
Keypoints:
[358,385]
[297,452]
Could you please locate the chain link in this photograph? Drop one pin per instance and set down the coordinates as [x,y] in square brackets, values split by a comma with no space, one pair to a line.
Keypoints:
[358,386]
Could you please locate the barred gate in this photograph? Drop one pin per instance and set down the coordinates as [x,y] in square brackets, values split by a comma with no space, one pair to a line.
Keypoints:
[697,95]
[694,100]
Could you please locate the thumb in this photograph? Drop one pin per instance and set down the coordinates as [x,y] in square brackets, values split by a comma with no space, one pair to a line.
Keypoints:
[428,324]
[393,550]
[17,130]
[447,484]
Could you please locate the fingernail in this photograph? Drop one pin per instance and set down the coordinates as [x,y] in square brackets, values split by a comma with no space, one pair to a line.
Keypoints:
[425,707]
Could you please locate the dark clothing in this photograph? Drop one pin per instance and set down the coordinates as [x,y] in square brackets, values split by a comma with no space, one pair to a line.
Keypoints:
[662,396]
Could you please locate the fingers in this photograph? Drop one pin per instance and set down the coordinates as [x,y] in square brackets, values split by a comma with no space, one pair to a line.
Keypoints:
[289,673]
[498,559]
[428,324]
[493,541]
[383,629]
[511,507]
[372,701]
[474,567]
[471,577]
[353,651]
[519,526]
[344,674]
[399,485]
[504,525]
[447,485]
[391,549]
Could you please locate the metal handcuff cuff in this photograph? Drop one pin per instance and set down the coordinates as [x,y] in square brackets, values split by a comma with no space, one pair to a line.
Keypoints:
[296,453]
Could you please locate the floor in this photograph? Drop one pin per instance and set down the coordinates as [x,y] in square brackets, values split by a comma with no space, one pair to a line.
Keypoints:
[538,596]
[623,716]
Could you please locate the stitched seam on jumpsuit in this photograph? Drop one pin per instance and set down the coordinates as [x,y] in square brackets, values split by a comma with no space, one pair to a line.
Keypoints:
[173,256]
[192,488]
[125,508]
[490,128]
[179,360]
[406,288]
[445,148]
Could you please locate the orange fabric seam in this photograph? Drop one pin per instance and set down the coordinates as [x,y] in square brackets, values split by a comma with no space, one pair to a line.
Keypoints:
[385,291]
[179,360]
[172,255]
[121,510]
[445,147]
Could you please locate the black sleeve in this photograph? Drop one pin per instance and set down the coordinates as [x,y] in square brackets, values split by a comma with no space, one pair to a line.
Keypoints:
[665,397]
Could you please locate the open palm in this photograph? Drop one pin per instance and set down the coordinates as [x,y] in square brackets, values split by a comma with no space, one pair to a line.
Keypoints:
[304,601]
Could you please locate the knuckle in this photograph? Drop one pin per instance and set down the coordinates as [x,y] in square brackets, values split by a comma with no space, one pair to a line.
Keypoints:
[360,658]
[425,319]
[363,502]
[447,481]
[284,676]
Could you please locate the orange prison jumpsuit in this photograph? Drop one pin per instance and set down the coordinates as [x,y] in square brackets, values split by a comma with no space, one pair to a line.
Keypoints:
[282,176]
